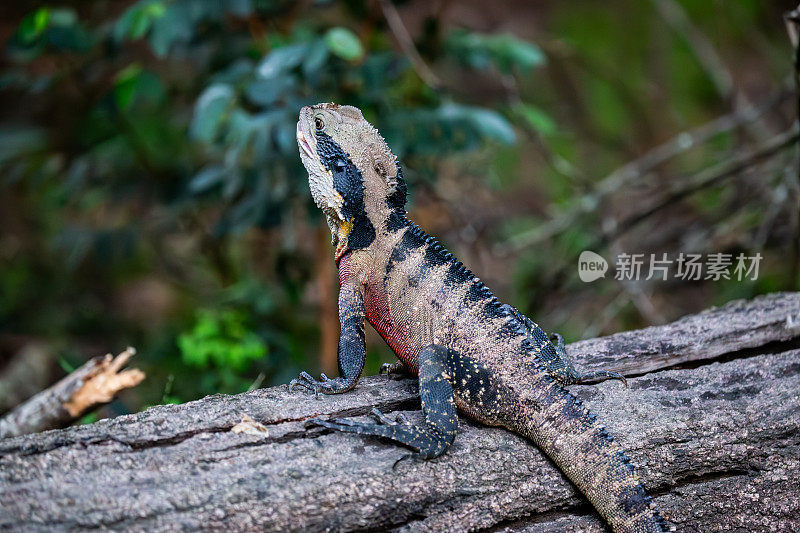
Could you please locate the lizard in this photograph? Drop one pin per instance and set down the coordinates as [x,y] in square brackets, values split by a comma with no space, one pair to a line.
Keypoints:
[470,352]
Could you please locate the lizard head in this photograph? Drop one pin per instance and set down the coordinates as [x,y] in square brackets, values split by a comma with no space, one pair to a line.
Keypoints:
[353,176]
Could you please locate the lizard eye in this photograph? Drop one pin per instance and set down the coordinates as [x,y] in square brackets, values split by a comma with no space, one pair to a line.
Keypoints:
[319,124]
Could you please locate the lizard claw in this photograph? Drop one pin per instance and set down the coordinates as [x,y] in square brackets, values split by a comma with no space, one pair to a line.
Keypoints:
[558,340]
[403,458]
[616,375]
[382,418]
[313,422]
[391,368]
[307,382]
[325,384]
[333,423]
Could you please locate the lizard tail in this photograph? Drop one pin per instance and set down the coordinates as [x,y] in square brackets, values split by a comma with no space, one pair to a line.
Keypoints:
[588,455]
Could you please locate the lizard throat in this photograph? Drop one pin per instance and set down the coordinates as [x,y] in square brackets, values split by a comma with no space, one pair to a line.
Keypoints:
[343,234]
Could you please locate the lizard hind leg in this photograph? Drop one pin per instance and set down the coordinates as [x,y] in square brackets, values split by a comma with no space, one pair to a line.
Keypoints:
[436,394]
[552,353]
[572,375]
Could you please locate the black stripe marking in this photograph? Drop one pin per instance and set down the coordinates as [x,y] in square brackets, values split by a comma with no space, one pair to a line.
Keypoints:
[410,241]
[396,221]
[362,234]
[634,499]
[348,181]
[477,291]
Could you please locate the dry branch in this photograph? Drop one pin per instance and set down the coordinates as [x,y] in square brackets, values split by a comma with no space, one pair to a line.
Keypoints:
[712,422]
[93,384]
[634,171]
[707,178]
[406,43]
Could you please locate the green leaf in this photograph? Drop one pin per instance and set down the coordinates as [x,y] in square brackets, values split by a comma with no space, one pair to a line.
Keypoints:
[174,25]
[63,17]
[138,19]
[139,25]
[65,365]
[209,111]
[344,43]
[33,25]
[267,92]
[315,58]
[509,51]
[505,51]
[494,126]
[125,85]
[89,418]
[537,119]
[207,178]
[280,60]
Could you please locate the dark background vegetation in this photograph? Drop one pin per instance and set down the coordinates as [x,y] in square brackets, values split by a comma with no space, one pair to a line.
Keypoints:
[151,192]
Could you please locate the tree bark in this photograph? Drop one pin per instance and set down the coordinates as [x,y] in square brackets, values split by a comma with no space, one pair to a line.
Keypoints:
[711,420]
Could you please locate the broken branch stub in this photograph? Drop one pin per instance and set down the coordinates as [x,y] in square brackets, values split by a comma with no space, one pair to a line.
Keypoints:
[93,384]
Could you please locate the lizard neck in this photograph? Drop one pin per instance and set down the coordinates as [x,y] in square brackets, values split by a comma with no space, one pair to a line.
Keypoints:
[382,213]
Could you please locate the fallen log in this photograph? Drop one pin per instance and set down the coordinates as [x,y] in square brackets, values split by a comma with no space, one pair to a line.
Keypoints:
[711,420]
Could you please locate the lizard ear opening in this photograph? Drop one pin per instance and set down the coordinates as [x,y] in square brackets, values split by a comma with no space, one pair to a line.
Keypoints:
[387,168]
[380,168]
[399,191]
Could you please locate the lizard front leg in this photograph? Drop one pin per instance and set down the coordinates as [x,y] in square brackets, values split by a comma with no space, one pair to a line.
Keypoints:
[436,395]
[352,351]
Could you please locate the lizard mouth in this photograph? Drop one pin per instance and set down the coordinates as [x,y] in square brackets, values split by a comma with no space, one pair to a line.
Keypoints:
[302,142]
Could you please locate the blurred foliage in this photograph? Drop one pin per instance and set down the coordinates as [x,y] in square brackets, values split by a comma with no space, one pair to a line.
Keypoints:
[153,194]
[222,340]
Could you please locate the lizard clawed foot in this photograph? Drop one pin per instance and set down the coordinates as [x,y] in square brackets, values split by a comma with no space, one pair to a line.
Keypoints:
[400,418]
[558,340]
[572,375]
[602,375]
[325,384]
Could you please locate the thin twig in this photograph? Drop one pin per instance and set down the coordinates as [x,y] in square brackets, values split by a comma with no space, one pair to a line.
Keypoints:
[406,43]
[637,169]
[792,20]
[674,15]
[707,178]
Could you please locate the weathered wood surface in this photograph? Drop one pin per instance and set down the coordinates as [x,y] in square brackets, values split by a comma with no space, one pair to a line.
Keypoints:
[717,443]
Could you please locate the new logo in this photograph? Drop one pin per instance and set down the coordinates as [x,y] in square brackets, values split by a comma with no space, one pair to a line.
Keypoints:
[591,266]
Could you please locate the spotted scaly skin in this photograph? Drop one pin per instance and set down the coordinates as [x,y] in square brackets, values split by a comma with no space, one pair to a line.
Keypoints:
[471,352]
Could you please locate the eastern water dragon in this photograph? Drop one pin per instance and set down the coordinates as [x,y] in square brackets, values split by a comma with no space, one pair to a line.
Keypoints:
[471,352]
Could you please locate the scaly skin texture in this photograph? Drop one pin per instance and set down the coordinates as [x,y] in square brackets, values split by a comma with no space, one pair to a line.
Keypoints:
[471,352]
